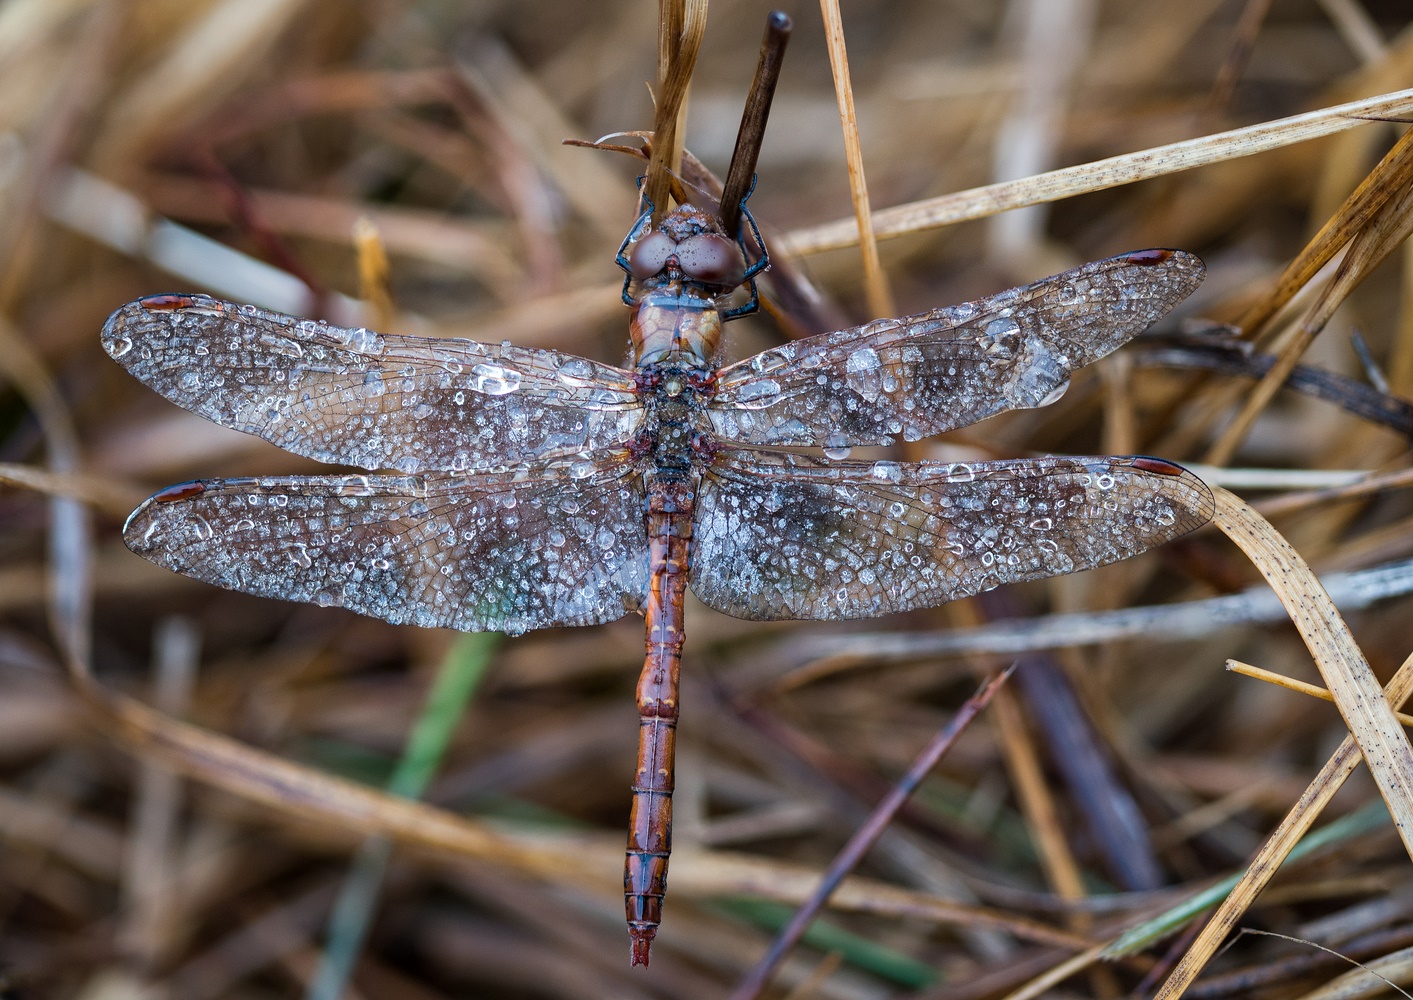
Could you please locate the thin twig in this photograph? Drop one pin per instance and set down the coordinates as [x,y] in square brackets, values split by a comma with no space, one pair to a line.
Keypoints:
[865,837]
[1291,684]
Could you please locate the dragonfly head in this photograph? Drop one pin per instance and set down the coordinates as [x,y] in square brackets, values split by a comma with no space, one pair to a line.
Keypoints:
[689,244]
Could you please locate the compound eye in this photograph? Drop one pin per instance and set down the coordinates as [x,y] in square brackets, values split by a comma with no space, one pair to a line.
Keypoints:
[650,255]
[712,258]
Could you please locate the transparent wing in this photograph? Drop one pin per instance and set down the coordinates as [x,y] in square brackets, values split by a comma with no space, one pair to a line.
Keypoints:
[514,550]
[782,536]
[414,404]
[921,375]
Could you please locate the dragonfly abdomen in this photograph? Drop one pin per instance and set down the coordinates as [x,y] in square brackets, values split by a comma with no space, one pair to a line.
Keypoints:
[671,499]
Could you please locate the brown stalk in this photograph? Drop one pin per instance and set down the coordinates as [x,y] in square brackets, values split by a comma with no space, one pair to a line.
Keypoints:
[741,173]
[880,299]
[1340,661]
[373,272]
[1037,801]
[681,25]
[1253,14]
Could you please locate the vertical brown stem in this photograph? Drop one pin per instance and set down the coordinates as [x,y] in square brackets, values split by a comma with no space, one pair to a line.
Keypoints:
[650,824]
[778,27]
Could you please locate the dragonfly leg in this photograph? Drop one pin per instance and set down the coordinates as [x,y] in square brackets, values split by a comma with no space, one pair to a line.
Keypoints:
[650,824]
[745,308]
[639,227]
[621,259]
[753,303]
[764,261]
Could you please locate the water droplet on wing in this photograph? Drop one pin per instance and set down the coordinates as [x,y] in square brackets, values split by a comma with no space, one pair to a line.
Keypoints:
[495,380]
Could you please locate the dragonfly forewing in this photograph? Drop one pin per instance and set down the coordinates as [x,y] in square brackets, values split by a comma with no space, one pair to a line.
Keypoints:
[377,401]
[513,551]
[907,379]
[782,536]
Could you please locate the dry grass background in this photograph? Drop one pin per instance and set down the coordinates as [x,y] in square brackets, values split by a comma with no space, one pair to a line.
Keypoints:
[146,859]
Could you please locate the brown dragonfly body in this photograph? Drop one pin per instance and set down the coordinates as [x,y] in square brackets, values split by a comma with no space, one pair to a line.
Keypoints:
[531,489]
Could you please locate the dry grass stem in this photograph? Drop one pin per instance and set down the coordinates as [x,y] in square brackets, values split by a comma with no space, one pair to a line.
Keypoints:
[1085,178]
[1341,663]
[1264,865]
[880,301]
[1291,684]
[682,23]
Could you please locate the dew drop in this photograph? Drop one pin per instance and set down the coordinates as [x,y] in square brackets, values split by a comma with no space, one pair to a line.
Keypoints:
[282,345]
[364,341]
[495,380]
[1056,393]
[1001,337]
[759,394]
[575,371]
[836,446]
[863,370]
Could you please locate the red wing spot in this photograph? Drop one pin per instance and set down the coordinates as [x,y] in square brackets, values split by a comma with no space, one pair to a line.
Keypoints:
[1161,466]
[1148,256]
[181,491]
[166,303]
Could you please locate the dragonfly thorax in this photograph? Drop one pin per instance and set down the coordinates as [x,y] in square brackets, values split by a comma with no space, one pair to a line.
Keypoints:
[675,322]
[674,417]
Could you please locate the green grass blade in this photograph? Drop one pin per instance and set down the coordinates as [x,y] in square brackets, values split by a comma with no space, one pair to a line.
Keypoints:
[446,702]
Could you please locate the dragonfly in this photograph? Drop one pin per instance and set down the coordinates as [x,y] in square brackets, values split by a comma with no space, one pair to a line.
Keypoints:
[507,488]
